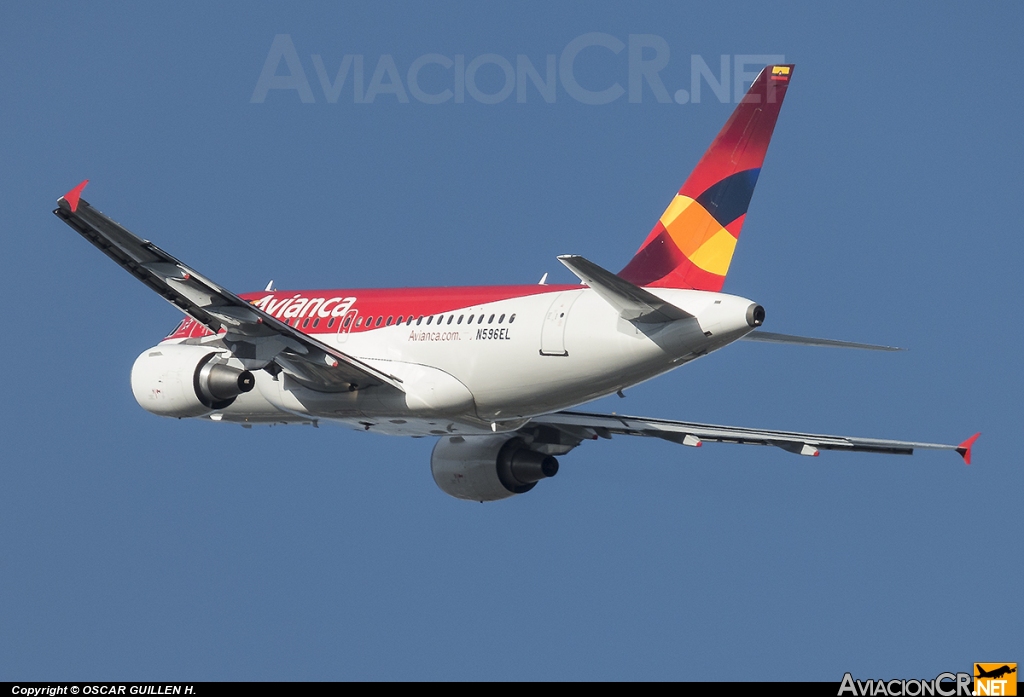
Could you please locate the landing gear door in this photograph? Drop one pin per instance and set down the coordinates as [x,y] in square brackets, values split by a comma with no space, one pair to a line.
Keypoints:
[552,334]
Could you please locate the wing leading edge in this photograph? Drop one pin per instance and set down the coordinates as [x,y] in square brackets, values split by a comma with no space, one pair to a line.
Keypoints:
[254,336]
[580,426]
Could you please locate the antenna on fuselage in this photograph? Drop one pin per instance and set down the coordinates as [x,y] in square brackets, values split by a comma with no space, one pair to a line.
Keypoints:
[270,287]
[543,279]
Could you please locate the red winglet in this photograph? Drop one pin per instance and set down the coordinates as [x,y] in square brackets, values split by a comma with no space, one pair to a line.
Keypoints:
[965,448]
[72,196]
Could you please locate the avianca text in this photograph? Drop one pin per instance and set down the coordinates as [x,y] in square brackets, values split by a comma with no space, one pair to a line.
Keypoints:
[298,306]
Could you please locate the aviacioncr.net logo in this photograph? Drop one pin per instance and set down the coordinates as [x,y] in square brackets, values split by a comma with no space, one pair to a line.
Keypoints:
[943,685]
[589,69]
[995,679]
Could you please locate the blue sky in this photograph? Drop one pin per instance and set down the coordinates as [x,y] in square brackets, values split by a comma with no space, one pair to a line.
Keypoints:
[133,547]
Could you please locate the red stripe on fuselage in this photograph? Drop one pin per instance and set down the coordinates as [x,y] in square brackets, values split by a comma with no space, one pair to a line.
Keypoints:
[294,306]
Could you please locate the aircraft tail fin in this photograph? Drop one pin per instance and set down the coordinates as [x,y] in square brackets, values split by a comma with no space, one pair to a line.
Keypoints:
[692,243]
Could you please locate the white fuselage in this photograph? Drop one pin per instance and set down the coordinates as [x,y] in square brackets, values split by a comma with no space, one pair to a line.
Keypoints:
[562,348]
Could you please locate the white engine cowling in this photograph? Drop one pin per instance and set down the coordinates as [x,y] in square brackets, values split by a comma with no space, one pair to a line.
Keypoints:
[182,381]
[488,468]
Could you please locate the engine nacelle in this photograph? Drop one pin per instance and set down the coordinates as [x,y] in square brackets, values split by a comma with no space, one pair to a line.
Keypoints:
[488,468]
[181,381]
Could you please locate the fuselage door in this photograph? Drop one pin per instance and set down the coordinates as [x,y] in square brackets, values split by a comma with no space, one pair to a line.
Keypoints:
[552,334]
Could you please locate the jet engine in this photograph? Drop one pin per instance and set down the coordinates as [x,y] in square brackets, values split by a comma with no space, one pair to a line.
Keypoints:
[488,468]
[184,381]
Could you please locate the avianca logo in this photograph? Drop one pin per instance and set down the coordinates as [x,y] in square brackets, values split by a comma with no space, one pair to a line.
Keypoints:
[298,306]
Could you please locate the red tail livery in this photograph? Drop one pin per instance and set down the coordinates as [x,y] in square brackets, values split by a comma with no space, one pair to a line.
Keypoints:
[692,243]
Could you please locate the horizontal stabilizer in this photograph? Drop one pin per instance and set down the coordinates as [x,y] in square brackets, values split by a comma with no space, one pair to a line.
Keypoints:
[633,302]
[773,338]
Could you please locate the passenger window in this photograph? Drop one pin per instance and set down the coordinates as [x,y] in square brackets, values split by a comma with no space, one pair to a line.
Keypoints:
[512,318]
[379,321]
[440,318]
[330,322]
[450,318]
[490,320]
[481,320]
[419,321]
[348,321]
[316,323]
[501,319]
[470,320]
[391,319]
[305,323]
[400,318]
[460,319]
[359,322]
[408,321]
[430,319]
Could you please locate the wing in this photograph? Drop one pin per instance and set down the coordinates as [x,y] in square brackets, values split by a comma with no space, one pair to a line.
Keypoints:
[578,426]
[255,337]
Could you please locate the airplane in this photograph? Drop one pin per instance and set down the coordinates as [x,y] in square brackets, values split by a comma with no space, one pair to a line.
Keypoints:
[494,372]
[995,673]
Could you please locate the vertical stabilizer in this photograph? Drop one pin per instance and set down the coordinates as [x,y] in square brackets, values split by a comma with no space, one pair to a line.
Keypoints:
[692,243]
